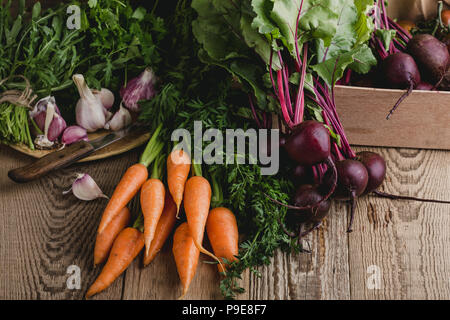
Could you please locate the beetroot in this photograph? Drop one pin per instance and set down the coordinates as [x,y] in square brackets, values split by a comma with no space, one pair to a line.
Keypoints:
[431,55]
[302,175]
[352,182]
[401,72]
[376,169]
[308,195]
[309,143]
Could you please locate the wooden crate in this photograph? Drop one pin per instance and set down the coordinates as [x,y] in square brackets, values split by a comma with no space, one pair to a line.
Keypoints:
[421,121]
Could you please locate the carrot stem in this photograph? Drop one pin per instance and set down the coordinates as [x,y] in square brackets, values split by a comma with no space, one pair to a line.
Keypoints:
[152,149]
[197,169]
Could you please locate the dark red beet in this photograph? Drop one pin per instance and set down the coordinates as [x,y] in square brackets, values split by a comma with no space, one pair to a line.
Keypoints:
[309,143]
[352,181]
[376,169]
[302,175]
[431,55]
[401,72]
[308,195]
[424,86]
[352,178]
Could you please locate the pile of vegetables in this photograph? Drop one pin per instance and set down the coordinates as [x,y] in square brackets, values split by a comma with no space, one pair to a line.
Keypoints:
[45,58]
[409,56]
[229,64]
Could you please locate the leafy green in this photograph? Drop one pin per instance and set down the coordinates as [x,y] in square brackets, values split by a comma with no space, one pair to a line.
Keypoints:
[210,98]
[360,59]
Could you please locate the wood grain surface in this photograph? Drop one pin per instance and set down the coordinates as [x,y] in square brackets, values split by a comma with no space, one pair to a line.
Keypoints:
[42,233]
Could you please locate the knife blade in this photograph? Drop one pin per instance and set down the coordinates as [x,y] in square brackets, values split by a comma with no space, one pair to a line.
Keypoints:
[67,156]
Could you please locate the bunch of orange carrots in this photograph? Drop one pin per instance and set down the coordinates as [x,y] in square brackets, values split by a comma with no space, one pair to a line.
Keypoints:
[118,244]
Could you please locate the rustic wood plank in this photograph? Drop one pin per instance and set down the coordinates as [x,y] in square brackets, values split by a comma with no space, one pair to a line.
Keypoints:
[44,232]
[323,274]
[407,241]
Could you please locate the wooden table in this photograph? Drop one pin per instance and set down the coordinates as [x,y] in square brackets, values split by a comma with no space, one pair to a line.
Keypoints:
[405,245]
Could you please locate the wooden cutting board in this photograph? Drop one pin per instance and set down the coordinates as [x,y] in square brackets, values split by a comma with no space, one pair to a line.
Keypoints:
[131,141]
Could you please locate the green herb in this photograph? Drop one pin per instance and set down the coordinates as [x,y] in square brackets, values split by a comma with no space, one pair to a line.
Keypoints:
[194,91]
[14,127]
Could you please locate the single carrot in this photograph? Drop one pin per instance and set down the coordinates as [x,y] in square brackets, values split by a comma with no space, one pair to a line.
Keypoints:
[178,167]
[105,240]
[186,256]
[163,229]
[152,205]
[223,234]
[129,185]
[197,199]
[126,247]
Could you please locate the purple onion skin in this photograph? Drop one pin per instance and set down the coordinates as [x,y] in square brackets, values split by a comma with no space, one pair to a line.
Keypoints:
[74,134]
[309,143]
[352,178]
[376,169]
[431,55]
[137,89]
[400,71]
[308,195]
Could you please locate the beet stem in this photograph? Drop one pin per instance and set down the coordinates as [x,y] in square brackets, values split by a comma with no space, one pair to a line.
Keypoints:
[399,197]
[352,210]
[407,93]
[314,227]
[286,231]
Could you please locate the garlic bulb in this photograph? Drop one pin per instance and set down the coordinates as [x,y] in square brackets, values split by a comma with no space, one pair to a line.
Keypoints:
[90,113]
[121,119]
[137,89]
[85,188]
[54,125]
[46,110]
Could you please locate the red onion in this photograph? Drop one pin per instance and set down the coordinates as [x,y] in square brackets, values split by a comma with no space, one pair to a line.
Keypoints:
[137,89]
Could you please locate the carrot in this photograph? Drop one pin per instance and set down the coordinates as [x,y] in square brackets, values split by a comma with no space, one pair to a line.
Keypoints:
[126,247]
[152,205]
[223,235]
[105,240]
[197,198]
[178,167]
[186,256]
[129,185]
[163,229]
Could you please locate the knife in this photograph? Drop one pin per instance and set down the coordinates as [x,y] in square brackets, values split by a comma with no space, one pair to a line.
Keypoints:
[65,157]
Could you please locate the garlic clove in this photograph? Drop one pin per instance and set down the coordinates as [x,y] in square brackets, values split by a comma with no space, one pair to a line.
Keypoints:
[39,112]
[121,119]
[74,134]
[56,128]
[105,96]
[139,88]
[85,188]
